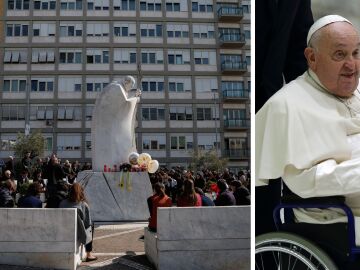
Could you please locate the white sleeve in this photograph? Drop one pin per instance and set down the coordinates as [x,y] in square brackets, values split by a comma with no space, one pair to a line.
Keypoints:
[327,178]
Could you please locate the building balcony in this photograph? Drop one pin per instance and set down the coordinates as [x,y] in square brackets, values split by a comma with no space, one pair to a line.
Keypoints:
[235,94]
[233,67]
[237,124]
[237,153]
[232,40]
[230,13]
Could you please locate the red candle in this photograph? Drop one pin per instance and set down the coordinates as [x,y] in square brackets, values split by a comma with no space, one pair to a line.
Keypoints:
[105,168]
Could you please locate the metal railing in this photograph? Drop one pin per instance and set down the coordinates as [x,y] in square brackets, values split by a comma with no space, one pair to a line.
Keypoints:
[233,66]
[232,37]
[230,11]
[237,153]
[237,123]
[236,93]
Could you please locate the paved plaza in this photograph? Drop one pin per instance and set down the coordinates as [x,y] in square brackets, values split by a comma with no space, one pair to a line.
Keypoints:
[116,245]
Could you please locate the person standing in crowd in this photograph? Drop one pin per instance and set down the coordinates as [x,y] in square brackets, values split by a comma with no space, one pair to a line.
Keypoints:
[6,176]
[77,199]
[31,199]
[241,193]
[6,191]
[26,161]
[205,200]
[225,197]
[56,198]
[54,174]
[159,199]
[188,196]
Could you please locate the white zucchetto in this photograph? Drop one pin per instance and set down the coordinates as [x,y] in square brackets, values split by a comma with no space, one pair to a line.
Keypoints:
[320,23]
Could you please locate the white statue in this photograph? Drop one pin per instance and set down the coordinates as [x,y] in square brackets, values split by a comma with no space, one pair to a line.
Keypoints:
[113,124]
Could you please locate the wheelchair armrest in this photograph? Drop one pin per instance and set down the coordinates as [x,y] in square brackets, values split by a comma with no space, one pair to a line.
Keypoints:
[295,199]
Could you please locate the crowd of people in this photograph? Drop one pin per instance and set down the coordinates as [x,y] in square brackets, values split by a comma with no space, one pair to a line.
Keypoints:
[53,184]
[182,188]
[56,183]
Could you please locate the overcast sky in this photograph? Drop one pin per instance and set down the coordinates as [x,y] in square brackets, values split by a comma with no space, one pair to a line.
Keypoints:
[349,9]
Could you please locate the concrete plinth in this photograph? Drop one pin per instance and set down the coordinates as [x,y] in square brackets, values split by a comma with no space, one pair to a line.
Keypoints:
[117,196]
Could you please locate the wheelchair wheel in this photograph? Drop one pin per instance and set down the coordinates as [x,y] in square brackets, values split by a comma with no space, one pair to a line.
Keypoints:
[280,251]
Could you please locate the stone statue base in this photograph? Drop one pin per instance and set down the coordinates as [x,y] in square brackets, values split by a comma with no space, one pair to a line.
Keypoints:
[116,196]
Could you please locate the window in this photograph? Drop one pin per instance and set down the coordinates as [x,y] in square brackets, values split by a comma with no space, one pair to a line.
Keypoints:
[203,114]
[177,30]
[178,57]
[248,60]
[70,57]
[202,6]
[94,84]
[98,4]
[42,85]
[181,142]
[152,85]
[151,30]
[45,4]
[13,112]
[97,29]
[235,118]
[125,56]
[48,142]
[14,85]
[172,7]
[70,29]
[181,113]
[41,112]
[17,30]
[234,89]
[206,84]
[88,142]
[206,141]
[203,31]
[124,4]
[69,84]
[152,56]
[179,84]
[96,56]
[44,29]
[15,56]
[247,34]
[41,56]
[148,114]
[8,142]
[68,142]
[69,113]
[246,8]
[232,61]
[150,5]
[127,29]
[154,141]
[204,57]
[88,112]
[18,4]
[71,4]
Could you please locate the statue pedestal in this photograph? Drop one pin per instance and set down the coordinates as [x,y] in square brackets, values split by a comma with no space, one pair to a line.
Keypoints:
[116,196]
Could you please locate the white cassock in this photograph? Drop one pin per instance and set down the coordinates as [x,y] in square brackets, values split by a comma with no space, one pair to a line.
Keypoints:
[311,139]
[113,127]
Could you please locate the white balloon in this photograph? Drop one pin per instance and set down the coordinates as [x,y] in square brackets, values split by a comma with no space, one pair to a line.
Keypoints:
[144,159]
[133,158]
[153,166]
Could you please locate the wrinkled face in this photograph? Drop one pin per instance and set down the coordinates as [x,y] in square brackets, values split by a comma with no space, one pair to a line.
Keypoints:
[336,58]
[7,173]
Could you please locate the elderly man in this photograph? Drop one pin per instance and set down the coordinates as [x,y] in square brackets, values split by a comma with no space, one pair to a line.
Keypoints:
[308,133]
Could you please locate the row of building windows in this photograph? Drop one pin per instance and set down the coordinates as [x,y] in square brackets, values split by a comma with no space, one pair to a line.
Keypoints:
[120,29]
[120,56]
[96,84]
[201,6]
[16,112]
[154,141]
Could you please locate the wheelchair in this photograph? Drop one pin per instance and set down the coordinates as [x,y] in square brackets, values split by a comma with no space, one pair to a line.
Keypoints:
[298,246]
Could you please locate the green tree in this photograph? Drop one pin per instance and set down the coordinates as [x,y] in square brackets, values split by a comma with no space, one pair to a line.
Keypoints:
[33,143]
[207,160]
